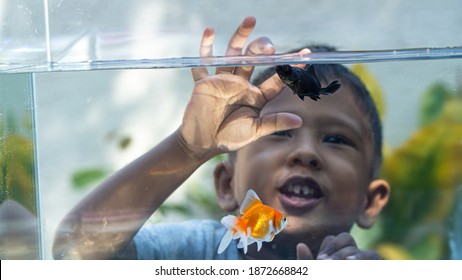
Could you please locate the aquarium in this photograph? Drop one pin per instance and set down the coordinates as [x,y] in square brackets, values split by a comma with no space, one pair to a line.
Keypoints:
[88,86]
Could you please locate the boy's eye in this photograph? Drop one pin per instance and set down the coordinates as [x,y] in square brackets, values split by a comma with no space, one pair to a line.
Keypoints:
[282,133]
[336,139]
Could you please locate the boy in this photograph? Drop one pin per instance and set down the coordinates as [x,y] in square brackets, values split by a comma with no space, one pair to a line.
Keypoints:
[313,161]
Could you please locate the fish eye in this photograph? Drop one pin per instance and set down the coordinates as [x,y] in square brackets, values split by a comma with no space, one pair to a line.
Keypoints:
[287,68]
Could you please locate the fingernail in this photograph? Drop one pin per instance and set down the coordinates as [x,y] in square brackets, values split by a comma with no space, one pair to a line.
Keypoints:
[323,257]
[268,49]
[304,51]
[269,45]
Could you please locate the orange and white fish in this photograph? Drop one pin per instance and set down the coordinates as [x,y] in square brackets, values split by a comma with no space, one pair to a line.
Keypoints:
[259,223]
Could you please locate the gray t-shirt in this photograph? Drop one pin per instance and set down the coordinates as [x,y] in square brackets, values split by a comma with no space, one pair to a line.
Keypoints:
[190,240]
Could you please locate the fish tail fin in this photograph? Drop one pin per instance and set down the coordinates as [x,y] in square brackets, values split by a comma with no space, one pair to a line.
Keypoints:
[245,241]
[229,222]
[331,88]
[225,241]
[259,245]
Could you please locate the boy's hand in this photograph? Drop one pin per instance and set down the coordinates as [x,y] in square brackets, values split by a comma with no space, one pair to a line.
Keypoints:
[340,247]
[343,247]
[223,113]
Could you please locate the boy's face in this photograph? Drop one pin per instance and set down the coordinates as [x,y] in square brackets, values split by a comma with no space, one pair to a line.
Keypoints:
[317,174]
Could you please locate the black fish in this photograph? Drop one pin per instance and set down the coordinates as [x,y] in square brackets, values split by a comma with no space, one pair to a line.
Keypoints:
[304,82]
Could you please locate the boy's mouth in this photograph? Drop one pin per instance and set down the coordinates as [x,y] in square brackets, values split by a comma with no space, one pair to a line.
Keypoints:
[300,193]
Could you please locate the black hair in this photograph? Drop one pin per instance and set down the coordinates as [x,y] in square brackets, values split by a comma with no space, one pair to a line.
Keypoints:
[327,72]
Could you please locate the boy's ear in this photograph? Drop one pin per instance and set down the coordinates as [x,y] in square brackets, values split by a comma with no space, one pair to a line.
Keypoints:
[378,194]
[223,175]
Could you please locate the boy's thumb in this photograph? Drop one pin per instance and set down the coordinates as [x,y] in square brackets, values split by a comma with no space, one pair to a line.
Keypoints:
[278,122]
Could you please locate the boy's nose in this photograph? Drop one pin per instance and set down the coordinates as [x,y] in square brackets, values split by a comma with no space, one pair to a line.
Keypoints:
[305,156]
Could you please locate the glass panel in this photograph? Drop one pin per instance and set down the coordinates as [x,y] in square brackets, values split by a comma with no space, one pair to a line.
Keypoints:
[23,34]
[69,35]
[102,120]
[133,29]
[19,208]
[455,236]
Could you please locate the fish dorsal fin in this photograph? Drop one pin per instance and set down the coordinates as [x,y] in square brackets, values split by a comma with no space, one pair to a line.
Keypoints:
[251,199]
[311,71]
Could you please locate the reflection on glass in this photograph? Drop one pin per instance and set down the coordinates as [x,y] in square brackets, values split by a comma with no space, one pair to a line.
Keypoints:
[455,235]
[18,207]
[23,33]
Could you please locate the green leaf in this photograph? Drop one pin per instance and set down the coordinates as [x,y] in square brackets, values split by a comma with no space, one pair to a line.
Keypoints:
[88,176]
[430,246]
[432,103]
[174,207]
[124,142]
[372,86]
[17,170]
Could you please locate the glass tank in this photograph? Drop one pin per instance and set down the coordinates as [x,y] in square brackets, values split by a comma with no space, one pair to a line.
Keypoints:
[89,86]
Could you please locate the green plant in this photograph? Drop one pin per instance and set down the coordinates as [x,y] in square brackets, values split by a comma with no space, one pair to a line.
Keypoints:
[17,165]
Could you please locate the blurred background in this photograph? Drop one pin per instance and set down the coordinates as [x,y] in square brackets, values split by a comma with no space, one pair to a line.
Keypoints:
[62,133]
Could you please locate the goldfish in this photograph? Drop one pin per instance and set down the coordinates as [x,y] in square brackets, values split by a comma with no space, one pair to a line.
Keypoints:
[304,82]
[259,223]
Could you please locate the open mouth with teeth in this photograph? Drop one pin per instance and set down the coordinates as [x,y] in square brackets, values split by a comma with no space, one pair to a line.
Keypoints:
[300,193]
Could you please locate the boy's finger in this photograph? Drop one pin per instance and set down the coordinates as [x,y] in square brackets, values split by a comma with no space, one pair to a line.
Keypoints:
[301,53]
[332,244]
[340,254]
[327,248]
[276,122]
[364,255]
[271,87]
[206,49]
[238,40]
[303,252]
[261,45]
